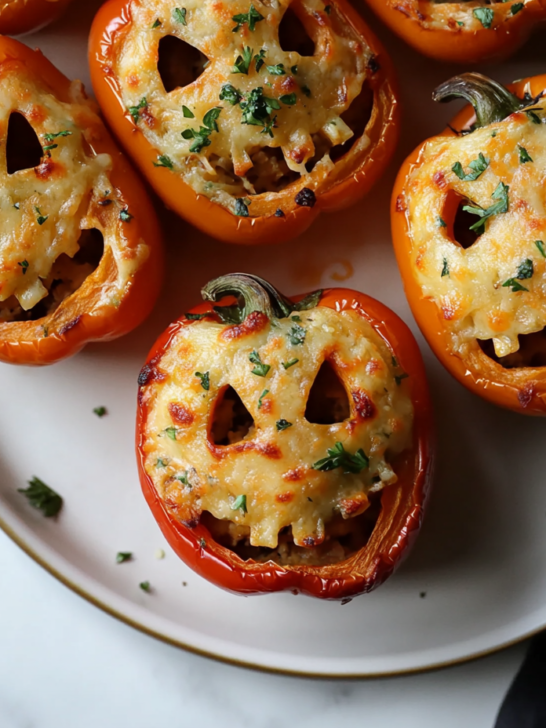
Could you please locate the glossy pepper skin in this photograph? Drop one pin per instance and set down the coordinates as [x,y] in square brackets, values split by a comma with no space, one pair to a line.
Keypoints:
[84,316]
[521,389]
[24,16]
[213,219]
[402,504]
[451,32]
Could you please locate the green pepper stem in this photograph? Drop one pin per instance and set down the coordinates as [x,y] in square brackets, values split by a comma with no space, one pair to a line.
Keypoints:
[492,102]
[253,294]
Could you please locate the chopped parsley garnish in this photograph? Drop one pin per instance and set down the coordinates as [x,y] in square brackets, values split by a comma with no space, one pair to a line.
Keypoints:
[516,7]
[250,18]
[445,269]
[501,195]
[202,543]
[156,24]
[540,246]
[441,222]
[46,331]
[188,113]
[179,14]
[196,316]
[183,478]
[261,369]
[24,265]
[242,62]
[288,99]
[478,167]
[230,94]
[484,15]
[123,556]
[161,463]
[164,161]
[525,271]
[297,335]
[399,377]
[288,364]
[262,395]
[282,425]
[306,90]
[40,218]
[277,70]
[338,457]
[125,215]
[296,318]
[241,207]
[524,155]
[100,411]
[49,147]
[259,60]
[135,110]
[257,110]
[51,137]
[145,586]
[42,497]
[205,380]
[294,70]
[201,137]
[239,504]
[170,432]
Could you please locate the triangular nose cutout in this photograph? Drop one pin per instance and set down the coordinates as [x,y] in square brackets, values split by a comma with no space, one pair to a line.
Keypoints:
[23,148]
[179,63]
[328,401]
[231,420]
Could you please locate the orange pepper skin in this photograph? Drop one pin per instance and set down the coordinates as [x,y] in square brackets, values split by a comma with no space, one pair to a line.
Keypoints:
[521,390]
[402,504]
[83,317]
[211,218]
[455,44]
[24,16]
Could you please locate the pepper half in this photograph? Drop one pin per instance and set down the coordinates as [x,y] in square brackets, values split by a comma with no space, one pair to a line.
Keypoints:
[461,32]
[80,250]
[469,229]
[23,16]
[247,119]
[286,444]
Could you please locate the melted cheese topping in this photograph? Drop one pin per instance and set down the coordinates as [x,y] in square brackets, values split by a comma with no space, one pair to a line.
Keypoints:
[240,158]
[472,297]
[459,16]
[43,209]
[272,468]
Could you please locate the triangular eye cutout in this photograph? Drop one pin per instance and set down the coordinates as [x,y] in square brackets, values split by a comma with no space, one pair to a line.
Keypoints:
[231,421]
[328,401]
[293,36]
[23,148]
[179,63]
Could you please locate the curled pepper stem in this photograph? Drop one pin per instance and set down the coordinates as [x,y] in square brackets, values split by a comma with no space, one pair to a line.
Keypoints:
[492,102]
[253,294]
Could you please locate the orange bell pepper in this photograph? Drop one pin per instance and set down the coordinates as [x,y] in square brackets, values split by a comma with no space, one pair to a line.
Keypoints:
[197,541]
[55,295]
[461,32]
[468,237]
[23,16]
[259,218]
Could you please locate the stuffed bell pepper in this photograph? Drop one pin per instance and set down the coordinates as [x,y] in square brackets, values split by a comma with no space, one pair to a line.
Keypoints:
[469,228]
[247,118]
[23,16]
[286,444]
[80,256]
[468,31]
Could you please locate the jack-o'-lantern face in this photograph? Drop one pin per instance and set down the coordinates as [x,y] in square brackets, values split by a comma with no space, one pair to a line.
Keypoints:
[279,428]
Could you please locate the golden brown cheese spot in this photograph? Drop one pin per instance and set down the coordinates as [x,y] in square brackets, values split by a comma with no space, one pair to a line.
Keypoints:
[364,406]
[474,297]
[241,160]
[260,465]
[254,322]
[180,415]
[43,209]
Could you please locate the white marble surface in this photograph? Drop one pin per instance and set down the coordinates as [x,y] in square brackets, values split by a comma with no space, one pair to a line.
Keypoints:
[65,664]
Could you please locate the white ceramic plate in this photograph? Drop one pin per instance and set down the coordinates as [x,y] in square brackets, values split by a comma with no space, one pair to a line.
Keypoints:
[476,580]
